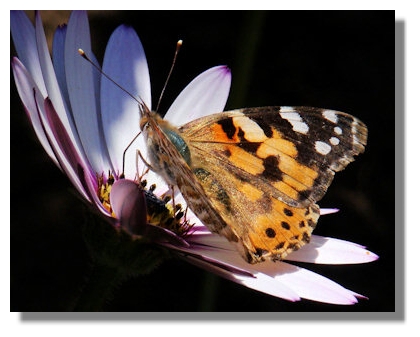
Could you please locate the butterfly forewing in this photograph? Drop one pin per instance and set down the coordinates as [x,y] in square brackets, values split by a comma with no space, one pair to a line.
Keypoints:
[291,153]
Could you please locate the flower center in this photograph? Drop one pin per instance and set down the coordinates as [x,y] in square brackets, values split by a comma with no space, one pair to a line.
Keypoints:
[160,210]
[104,191]
[164,213]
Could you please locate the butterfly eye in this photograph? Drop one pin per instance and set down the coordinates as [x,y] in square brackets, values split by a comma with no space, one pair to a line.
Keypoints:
[143,122]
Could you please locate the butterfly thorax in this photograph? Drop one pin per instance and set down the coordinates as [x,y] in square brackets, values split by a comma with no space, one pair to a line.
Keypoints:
[166,147]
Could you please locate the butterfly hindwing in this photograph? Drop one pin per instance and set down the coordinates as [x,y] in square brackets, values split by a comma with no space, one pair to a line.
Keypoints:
[260,225]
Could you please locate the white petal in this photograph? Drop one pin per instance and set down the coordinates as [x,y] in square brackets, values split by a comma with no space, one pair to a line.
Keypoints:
[325,211]
[302,282]
[332,251]
[258,281]
[205,95]
[308,284]
[83,86]
[204,237]
[23,34]
[125,62]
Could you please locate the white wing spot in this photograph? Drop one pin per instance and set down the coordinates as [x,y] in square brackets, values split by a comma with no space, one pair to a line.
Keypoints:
[252,131]
[322,148]
[334,141]
[296,121]
[331,115]
[338,130]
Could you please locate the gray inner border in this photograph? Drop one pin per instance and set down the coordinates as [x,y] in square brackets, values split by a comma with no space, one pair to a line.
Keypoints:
[397,315]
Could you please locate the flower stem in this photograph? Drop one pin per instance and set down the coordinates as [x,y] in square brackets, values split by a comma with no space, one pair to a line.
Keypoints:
[209,292]
[116,256]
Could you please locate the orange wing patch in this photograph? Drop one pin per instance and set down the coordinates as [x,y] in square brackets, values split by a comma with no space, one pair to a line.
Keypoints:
[282,230]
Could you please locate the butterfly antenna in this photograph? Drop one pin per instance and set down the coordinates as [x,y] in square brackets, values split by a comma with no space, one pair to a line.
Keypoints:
[137,99]
[178,47]
[83,54]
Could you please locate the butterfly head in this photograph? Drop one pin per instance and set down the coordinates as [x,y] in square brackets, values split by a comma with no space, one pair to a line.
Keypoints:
[145,116]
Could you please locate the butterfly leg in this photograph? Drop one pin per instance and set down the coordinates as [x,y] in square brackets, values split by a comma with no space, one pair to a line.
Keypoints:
[172,188]
[149,167]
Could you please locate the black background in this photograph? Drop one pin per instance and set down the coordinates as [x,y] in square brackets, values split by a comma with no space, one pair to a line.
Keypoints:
[342,60]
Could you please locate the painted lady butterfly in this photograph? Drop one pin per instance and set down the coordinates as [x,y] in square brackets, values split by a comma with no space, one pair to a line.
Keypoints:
[254,175]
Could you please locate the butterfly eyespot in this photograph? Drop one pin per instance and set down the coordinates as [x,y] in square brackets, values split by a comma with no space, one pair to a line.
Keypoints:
[270,232]
[285,225]
[288,212]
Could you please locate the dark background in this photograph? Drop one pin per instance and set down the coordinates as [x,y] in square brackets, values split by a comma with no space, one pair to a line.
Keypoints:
[339,60]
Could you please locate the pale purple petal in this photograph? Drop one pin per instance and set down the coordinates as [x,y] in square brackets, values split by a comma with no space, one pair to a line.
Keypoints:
[27,88]
[23,34]
[203,237]
[308,284]
[275,278]
[230,265]
[332,251]
[326,211]
[124,62]
[129,205]
[302,282]
[65,143]
[58,47]
[54,93]
[68,156]
[205,95]
[83,86]
[258,281]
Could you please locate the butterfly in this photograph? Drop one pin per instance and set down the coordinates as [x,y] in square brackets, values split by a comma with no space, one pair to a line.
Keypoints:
[254,175]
